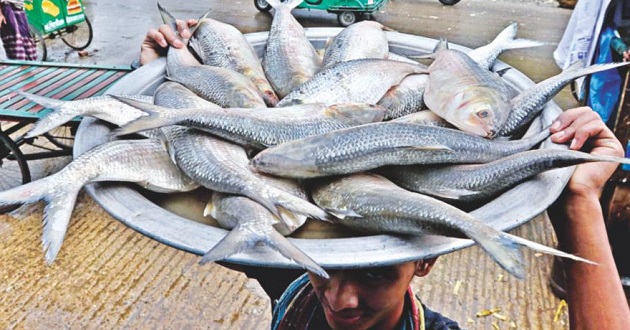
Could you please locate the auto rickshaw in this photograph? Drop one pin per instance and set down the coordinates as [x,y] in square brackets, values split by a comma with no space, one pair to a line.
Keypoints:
[58,18]
[348,11]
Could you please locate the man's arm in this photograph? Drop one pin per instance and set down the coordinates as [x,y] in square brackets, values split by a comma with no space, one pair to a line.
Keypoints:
[595,295]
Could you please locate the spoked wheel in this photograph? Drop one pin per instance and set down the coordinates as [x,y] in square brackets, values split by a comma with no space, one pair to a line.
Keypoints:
[13,168]
[346,18]
[78,36]
[40,43]
[62,136]
[262,5]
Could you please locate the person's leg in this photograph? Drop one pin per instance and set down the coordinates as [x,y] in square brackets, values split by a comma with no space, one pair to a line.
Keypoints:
[17,41]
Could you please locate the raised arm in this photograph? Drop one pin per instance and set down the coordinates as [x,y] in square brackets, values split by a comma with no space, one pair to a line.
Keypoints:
[595,295]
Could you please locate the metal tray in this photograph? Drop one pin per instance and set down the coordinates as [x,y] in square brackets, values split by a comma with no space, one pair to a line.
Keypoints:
[128,205]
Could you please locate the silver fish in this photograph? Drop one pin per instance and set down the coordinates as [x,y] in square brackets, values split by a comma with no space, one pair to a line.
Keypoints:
[371,203]
[144,162]
[261,128]
[361,40]
[471,183]
[221,86]
[362,81]
[529,103]
[468,96]
[290,58]
[250,224]
[369,146]
[222,45]
[102,107]
[221,166]
[407,97]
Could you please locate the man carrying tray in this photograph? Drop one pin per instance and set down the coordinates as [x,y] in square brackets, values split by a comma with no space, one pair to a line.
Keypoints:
[381,298]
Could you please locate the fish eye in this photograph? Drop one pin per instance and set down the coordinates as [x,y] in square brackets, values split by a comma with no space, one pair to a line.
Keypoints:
[483,114]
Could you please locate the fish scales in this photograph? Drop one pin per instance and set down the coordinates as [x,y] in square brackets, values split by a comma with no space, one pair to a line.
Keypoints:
[370,146]
[361,81]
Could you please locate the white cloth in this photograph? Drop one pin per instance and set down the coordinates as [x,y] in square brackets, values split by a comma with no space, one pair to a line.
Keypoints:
[580,36]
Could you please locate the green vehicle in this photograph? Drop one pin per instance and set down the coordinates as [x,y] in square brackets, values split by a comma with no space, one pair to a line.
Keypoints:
[348,11]
[58,18]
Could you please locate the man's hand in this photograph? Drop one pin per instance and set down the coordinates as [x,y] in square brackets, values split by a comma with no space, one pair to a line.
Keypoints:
[587,132]
[158,40]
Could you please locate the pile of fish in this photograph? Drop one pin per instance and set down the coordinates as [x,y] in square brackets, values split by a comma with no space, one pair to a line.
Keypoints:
[363,138]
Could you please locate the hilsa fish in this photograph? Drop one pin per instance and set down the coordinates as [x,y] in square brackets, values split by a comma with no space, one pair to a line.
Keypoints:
[530,102]
[369,146]
[255,127]
[371,203]
[222,45]
[478,182]
[250,224]
[290,58]
[360,81]
[221,86]
[103,107]
[145,162]
[468,96]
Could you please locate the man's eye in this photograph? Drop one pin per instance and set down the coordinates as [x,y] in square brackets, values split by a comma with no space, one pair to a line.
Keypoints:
[375,275]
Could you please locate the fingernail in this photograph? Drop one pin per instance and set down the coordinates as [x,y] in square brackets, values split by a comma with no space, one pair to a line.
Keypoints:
[573,144]
[178,44]
[559,135]
[186,32]
[555,126]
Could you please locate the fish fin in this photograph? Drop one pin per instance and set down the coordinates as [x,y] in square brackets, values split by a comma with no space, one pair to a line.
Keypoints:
[296,205]
[387,28]
[27,193]
[201,18]
[503,71]
[547,250]
[57,213]
[209,209]
[293,253]
[342,214]
[290,221]
[157,117]
[452,193]
[427,148]
[441,45]
[236,241]
[276,4]
[577,70]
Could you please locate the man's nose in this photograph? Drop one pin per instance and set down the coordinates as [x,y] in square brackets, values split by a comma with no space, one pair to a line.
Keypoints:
[342,294]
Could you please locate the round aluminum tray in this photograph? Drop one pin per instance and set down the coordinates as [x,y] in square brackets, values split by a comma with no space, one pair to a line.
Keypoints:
[126,204]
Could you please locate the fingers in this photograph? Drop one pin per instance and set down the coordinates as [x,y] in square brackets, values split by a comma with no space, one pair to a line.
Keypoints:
[182,27]
[157,37]
[572,126]
[170,36]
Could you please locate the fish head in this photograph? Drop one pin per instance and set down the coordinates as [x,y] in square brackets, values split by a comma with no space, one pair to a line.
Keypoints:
[478,112]
[356,113]
[266,92]
[293,159]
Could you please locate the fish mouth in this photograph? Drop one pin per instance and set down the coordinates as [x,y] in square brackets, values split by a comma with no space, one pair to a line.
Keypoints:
[283,164]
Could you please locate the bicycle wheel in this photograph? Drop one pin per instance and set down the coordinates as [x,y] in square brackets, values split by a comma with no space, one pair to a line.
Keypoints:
[40,43]
[13,168]
[78,36]
[62,136]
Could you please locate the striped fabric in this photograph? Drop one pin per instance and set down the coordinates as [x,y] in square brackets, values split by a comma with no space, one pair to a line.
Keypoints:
[18,44]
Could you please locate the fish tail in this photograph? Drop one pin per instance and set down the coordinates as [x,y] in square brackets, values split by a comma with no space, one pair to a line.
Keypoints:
[293,253]
[502,250]
[167,17]
[506,39]
[237,240]
[157,117]
[545,249]
[59,199]
[51,120]
[276,4]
